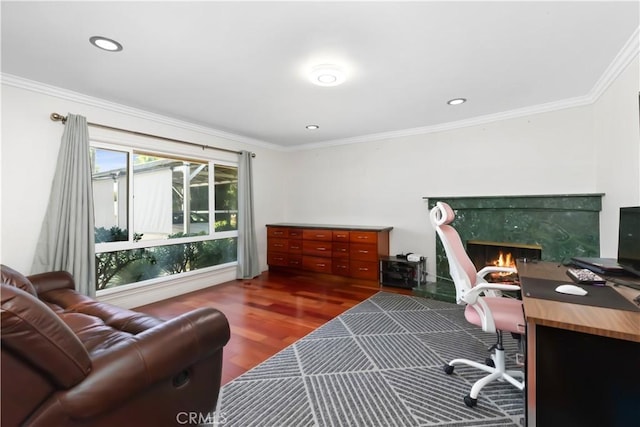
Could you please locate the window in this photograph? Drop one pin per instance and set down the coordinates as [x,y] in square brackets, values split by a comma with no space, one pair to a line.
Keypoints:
[158,215]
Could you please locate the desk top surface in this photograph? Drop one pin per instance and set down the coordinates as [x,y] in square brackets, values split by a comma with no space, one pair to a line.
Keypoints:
[607,322]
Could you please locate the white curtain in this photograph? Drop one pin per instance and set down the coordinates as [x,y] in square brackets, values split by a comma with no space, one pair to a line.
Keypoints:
[67,235]
[248,264]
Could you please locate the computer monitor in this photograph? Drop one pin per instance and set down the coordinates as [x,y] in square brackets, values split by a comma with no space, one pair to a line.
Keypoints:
[629,239]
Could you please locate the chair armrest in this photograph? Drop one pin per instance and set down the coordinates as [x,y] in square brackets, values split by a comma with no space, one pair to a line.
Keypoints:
[495,269]
[472,295]
[496,287]
[45,282]
[156,354]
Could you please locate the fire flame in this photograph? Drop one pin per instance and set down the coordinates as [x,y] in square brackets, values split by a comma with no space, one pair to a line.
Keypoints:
[504,260]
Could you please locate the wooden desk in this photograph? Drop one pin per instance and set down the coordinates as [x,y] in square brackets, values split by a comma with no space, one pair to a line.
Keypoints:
[583,362]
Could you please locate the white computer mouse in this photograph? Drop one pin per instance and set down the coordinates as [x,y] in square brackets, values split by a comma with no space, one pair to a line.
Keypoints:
[571,290]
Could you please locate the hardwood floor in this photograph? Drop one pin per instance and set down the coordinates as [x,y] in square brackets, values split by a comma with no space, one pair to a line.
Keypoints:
[270,312]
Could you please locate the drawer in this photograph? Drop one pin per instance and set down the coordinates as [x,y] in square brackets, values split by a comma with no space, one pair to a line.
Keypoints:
[316,248]
[295,233]
[363,237]
[317,234]
[340,267]
[317,264]
[294,261]
[284,260]
[277,245]
[282,232]
[340,250]
[277,259]
[364,270]
[340,236]
[363,252]
[295,246]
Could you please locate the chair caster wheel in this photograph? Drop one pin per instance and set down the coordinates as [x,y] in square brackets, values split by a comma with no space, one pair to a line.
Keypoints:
[489,362]
[469,401]
[448,369]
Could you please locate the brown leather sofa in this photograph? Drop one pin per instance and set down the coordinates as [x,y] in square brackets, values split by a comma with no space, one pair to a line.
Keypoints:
[69,360]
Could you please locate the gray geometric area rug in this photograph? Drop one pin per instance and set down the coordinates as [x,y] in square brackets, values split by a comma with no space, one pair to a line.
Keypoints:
[378,364]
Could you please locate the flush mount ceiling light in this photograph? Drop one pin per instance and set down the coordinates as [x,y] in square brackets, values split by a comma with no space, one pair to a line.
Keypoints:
[327,75]
[312,127]
[457,101]
[105,44]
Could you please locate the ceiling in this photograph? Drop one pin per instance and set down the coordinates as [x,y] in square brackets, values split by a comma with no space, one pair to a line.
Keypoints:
[241,67]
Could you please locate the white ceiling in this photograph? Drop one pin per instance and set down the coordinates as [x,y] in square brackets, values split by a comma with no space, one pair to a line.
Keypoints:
[240,67]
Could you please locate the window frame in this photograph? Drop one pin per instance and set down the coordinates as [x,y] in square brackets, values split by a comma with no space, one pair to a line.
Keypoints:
[131,148]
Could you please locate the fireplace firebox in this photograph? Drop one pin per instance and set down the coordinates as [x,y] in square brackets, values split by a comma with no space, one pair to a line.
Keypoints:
[500,254]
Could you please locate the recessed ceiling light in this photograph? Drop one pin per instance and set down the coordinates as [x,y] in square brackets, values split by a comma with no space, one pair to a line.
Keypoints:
[312,127]
[457,101]
[105,43]
[327,75]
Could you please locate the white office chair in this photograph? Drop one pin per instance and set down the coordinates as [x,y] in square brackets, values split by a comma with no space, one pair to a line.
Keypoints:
[485,307]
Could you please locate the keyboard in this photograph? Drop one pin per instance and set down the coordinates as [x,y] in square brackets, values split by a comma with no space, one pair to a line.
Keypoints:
[585,277]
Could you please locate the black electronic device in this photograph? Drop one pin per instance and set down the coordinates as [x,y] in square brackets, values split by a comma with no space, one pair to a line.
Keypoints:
[629,239]
[606,266]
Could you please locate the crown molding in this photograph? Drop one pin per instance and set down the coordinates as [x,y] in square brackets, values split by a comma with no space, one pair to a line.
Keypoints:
[479,120]
[627,54]
[57,92]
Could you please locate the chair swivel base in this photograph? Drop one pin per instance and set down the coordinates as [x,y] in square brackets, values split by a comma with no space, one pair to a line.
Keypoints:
[497,372]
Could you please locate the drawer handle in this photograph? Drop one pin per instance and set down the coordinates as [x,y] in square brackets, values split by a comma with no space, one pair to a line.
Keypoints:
[363,269]
[363,251]
[278,245]
[321,249]
[279,259]
[278,232]
[362,237]
[321,265]
[294,247]
[319,235]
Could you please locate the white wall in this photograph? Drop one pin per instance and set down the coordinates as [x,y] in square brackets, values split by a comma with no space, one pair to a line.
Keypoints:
[383,183]
[588,149]
[617,131]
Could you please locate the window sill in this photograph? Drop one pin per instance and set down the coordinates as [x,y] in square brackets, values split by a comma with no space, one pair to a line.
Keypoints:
[150,291]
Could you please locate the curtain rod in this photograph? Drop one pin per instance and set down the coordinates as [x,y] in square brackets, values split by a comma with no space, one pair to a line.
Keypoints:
[60,118]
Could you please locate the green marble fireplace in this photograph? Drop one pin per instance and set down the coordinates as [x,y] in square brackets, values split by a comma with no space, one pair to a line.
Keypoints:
[563,225]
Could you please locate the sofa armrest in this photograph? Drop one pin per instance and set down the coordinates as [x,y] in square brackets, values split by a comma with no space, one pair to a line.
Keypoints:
[45,282]
[160,353]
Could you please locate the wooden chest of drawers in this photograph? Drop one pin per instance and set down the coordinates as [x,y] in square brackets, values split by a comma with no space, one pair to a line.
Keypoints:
[351,251]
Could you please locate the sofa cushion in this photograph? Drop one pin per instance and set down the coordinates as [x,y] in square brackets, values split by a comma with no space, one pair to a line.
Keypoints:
[93,333]
[117,317]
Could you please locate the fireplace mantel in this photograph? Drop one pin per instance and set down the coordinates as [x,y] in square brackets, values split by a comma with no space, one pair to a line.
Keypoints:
[564,225]
[580,202]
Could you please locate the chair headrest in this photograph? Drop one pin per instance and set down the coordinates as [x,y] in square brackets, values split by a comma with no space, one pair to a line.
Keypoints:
[442,214]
